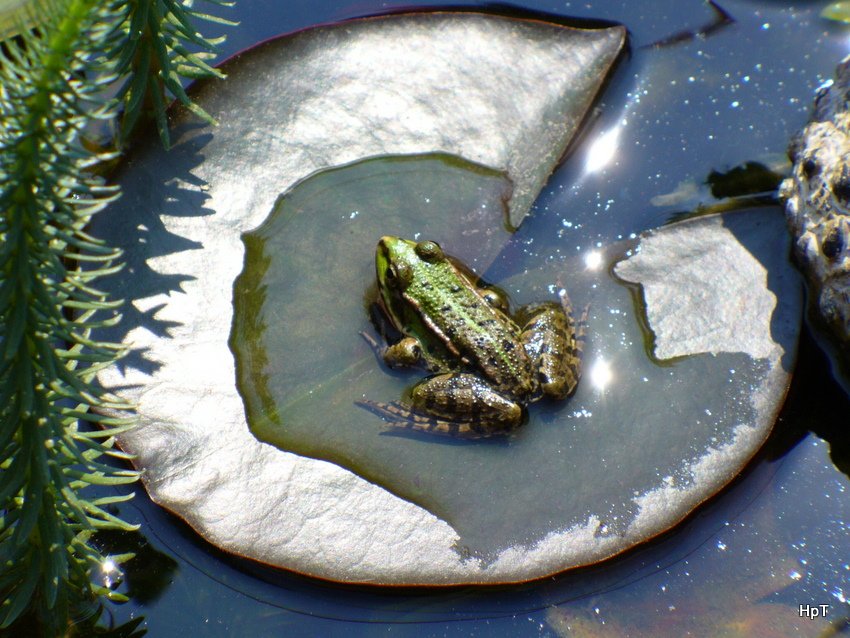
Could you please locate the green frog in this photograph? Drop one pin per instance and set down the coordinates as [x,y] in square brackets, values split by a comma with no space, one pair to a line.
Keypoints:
[487,364]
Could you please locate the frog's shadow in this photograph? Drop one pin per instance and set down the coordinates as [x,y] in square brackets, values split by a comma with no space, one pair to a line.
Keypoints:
[504,440]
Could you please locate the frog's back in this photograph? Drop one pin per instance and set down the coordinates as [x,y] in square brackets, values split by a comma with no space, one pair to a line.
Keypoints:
[481,336]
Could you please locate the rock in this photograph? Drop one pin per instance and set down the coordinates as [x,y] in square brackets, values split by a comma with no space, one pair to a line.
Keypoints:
[817,205]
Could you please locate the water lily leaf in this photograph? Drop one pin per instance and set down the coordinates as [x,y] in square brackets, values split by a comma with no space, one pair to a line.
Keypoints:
[312,485]
[504,93]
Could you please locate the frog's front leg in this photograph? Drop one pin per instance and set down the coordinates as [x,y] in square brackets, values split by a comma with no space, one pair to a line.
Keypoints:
[453,404]
[407,352]
[554,344]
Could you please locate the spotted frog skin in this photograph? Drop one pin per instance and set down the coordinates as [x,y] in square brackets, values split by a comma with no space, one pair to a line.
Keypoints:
[487,364]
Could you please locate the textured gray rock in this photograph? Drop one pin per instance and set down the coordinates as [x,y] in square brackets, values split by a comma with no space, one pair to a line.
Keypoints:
[817,204]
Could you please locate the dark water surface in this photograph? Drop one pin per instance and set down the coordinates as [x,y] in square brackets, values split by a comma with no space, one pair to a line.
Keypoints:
[742,565]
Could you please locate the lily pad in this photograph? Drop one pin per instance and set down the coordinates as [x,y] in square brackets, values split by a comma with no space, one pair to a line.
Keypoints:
[501,92]
[582,481]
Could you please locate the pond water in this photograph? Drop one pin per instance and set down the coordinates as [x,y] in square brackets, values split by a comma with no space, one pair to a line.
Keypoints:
[741,565]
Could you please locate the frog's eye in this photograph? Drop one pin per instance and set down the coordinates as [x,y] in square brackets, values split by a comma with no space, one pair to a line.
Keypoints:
[398,276]
[429,250]
[495,299]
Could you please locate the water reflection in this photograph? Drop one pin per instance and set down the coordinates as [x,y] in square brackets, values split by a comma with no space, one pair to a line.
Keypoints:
[110,575]
[603,149]
[600,374]
[593,260]
[143,578]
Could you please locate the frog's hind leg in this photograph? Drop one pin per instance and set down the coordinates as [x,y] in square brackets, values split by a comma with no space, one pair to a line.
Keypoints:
[453,404]
[401,417]
[555,343]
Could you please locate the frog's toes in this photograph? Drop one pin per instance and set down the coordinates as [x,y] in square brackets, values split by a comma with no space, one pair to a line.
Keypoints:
[581,331]
[393,411]
[371,342]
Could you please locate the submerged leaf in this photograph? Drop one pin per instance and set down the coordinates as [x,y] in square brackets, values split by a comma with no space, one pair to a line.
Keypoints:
[838,11]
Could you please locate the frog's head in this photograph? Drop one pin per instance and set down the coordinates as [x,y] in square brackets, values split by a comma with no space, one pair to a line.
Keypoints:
[399,261]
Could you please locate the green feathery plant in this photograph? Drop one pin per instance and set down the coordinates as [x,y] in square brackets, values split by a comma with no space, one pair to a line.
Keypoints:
[51,89]
[48,309]
[155,54]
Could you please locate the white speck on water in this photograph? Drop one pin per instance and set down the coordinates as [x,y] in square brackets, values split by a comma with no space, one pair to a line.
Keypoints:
[593,259]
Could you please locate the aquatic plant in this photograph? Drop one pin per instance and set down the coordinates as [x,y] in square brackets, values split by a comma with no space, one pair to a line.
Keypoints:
[52,86]
[154,54]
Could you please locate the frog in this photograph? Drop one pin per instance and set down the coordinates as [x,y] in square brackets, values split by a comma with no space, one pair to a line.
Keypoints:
[486,364]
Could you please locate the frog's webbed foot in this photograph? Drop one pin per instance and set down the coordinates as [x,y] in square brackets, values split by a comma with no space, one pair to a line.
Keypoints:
[397,415]
[376,347]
